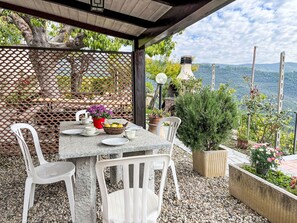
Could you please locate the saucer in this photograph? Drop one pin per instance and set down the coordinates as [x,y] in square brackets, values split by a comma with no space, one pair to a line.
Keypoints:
[72,131]
[83,133]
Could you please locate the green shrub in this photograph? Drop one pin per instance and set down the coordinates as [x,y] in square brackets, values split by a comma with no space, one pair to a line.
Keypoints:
[149,88]
[265,120]
[102,85]
[207,118]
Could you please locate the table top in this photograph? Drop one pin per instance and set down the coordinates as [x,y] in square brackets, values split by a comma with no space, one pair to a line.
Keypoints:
[75,146]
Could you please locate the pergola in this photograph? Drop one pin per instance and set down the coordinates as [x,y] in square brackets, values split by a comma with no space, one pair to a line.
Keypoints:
[145,22]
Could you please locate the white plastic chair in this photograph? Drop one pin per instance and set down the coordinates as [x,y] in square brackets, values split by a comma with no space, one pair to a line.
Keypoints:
[173,123]
[45,173]
[132,204]
[79,113]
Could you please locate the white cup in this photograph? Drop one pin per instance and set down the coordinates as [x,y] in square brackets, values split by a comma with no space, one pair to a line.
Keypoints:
[85,121]
[90,130]
[130,133]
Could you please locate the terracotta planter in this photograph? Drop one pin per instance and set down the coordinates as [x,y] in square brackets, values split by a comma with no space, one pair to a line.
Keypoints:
[98,122]
[270,201]
[210,163]
[153,122]
[242,143]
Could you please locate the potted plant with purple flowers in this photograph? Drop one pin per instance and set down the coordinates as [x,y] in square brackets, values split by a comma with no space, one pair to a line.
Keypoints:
[99,113]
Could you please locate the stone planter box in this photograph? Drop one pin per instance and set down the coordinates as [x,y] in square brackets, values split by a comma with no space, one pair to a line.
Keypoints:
[270,201]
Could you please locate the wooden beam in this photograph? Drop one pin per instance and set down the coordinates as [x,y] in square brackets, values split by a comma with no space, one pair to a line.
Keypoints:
[139,84]
[61,19]
[174,3]
[179,18]
[105,13]
[164,2]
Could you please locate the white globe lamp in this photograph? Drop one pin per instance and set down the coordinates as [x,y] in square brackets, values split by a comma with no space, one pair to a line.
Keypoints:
[161,79]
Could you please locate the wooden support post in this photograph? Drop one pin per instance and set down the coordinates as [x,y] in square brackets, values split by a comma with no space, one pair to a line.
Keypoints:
[139,84]
[251,90]
[213,76]
[253,69]
[280,93]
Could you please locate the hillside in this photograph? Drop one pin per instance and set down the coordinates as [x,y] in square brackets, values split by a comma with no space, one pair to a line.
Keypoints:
[274,67]
[266,79]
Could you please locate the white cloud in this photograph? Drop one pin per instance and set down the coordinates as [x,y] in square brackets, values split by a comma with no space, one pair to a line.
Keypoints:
[230,34]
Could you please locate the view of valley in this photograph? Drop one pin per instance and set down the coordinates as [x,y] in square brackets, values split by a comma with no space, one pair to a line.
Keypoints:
[266,79]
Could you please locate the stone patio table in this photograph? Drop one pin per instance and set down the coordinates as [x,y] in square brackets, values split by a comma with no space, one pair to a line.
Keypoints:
[83,151]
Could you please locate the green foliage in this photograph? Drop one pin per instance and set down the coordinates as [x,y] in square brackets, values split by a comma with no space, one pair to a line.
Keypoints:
[90,85]
[97,41]
[192,85]
[153,67]
[149,88]
[156,113]
[164,47]
[277,178]
[9,34]
[164,65]
[102,85]
[38,22]
[265,119]
[172,69]
[207,118]
[287,140]
[242,133]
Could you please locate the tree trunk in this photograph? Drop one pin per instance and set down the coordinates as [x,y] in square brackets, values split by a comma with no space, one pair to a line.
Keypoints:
[45,70]
[45,64]
[79,65]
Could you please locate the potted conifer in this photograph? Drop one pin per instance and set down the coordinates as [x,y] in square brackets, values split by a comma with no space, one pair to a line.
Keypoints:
[207,119]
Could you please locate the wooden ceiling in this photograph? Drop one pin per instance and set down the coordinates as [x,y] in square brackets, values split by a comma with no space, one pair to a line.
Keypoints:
[147,21]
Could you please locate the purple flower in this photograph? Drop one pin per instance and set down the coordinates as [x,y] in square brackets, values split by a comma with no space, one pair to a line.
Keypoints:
[99,111]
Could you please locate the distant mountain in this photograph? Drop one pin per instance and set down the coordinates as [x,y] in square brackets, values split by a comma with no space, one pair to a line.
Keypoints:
[273,67]
[266,79]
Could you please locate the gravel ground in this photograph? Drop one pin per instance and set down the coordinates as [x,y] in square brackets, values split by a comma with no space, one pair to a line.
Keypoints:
[204,200]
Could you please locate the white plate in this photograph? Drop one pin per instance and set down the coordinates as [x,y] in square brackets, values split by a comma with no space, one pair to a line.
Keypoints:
[115,141]
[83,133]
[72,131]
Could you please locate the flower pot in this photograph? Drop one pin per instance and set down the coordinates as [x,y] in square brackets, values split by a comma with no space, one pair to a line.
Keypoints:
[242,143]
[98,122]
[210,163]
[153,123]
[261,170]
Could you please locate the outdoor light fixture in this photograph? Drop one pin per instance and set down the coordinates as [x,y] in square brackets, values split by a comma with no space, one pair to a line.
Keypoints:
[161,79]
[97,5]
[186,68]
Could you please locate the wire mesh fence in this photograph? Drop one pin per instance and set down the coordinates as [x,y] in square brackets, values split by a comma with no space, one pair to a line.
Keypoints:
[43,87]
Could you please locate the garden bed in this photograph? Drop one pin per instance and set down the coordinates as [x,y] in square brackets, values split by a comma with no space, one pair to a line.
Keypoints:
[272,202]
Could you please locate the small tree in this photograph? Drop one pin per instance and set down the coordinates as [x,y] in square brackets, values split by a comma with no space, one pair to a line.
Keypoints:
[207,117]
[265,119]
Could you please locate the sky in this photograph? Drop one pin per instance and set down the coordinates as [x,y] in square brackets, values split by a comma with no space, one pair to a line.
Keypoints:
[229,35]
